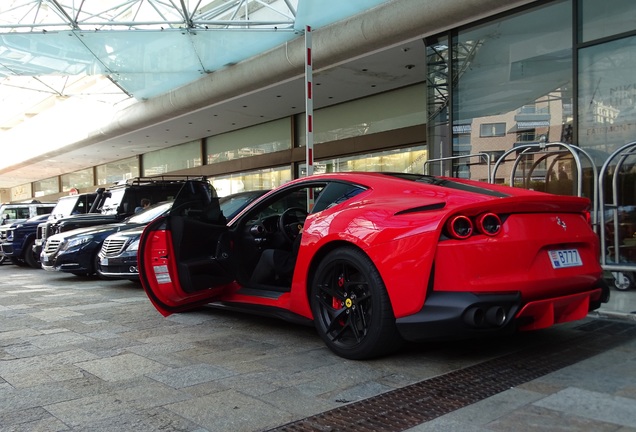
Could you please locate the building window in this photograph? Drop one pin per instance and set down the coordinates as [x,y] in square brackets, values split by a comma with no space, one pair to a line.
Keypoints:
[264,179]
[77,180]
[527,136]
[492,130]
[47,186]
[175,158]
[607,95]
[114,172]
[253,141]
[383,112]
[410,160]
[599,19]
[510,72]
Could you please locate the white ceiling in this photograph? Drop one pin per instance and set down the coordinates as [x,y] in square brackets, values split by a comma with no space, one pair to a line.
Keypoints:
[394,68]
[37,121]
[50,155]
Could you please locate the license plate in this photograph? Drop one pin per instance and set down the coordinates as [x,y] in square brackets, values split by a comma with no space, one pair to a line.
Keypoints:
[565,258]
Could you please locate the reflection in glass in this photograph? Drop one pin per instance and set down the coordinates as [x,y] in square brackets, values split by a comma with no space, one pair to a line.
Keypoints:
[78,179]
[386,111]
[607,95]
[605,18]
[264,179]
[252,141]
[114,172]
[47,186]
[175,158]
[512,86]
[407,160]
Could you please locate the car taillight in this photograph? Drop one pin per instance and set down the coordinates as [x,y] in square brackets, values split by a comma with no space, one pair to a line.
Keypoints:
[459,227]
[489,224]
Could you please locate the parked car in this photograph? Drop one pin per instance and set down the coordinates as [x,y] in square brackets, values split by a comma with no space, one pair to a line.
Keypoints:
[17,212]
[117,258]
[384,258]
[76,251]
[117,203]
[17,239]
[66,206]
[14,213]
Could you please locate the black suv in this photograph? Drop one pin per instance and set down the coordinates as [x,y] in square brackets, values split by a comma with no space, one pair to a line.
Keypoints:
[66,206]
[119,202]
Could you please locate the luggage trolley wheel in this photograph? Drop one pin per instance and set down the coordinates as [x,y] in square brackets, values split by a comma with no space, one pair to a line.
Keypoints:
[624,281]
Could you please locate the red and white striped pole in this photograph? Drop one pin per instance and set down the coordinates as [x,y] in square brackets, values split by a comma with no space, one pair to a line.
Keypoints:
[309,104]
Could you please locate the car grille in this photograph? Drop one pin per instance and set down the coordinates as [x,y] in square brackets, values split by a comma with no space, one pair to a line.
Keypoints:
[51,246]
[113,246]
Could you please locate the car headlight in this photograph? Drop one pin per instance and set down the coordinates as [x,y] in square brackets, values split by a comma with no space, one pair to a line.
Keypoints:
[75,242]
[133,246]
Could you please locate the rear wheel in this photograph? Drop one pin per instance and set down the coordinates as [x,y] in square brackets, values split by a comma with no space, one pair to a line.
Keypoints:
[351,308]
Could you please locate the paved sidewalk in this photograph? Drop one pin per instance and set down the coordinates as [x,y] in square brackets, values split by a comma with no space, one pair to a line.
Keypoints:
[89,355]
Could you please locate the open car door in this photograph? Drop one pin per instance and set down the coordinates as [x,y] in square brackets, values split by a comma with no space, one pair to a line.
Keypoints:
[184,257]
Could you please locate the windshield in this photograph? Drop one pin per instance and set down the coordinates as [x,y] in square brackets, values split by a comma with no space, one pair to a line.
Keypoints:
[231,205]
[112,202]
[64,207]
[150,214]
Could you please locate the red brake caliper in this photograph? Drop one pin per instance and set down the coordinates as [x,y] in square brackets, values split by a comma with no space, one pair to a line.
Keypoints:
[338,304]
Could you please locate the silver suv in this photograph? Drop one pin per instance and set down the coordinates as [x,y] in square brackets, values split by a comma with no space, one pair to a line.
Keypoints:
[10,213]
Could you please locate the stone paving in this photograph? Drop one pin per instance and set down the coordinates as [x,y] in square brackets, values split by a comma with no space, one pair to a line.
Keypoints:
[80,354]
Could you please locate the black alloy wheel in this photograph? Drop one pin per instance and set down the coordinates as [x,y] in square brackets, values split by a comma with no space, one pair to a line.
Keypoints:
[351,308]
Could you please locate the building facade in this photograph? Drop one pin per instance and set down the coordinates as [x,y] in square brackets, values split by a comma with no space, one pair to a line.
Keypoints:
[482,79]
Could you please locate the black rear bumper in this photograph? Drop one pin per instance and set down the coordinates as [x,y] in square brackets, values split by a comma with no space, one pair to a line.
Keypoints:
[449,315]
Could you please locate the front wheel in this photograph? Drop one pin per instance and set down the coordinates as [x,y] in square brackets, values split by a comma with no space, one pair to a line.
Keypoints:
[351,308]
[30,257]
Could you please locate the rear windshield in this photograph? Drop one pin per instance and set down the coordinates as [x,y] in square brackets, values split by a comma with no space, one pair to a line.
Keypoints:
[436,181]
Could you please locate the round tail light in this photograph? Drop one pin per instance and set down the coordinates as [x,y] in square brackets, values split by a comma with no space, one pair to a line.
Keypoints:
[460,227]
[489,224]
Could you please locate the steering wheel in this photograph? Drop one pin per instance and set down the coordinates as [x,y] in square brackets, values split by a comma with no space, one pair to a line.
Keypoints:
[291,222]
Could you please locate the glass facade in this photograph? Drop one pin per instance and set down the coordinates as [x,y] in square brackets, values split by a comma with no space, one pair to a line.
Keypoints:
[600,19]
[407,160]
[607,95]
[260,139]
[257,180]
[175,158]
[383,112]
[512,86]
[559,72]
[117,171]
[78,179]
[47,186]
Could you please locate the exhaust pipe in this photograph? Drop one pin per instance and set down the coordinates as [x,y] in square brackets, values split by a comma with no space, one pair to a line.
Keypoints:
[475,317]
[496,315]
[133,269]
